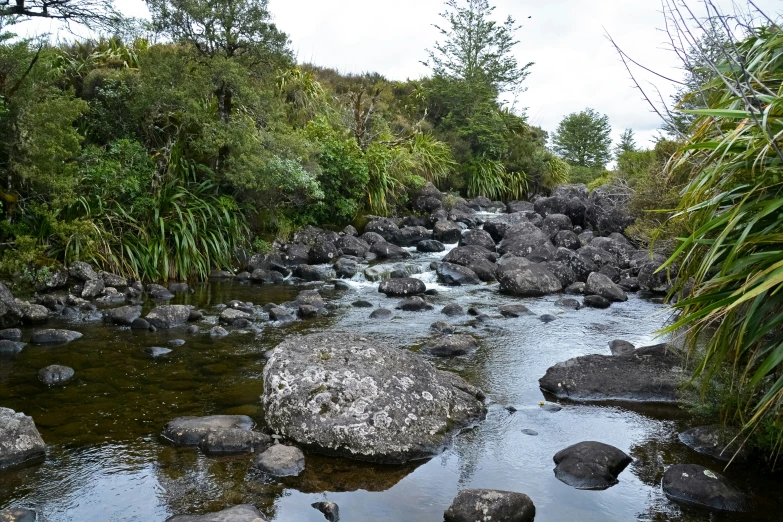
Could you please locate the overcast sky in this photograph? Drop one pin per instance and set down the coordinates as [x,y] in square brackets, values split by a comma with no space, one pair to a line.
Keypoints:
[575,66]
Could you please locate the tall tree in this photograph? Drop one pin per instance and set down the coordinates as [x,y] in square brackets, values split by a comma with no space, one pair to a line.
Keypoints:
[627,143]
[87,12]
[583,139]
[476,48]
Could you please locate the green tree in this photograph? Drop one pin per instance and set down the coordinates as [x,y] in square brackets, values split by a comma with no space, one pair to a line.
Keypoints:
[627,143]
[477,49]
[87,12]
[583,139]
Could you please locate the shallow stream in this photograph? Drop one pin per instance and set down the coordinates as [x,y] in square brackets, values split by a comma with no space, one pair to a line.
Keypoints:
[107,462]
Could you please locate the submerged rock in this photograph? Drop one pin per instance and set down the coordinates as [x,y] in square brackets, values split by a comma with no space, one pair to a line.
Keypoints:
[241,513]
[358,397]
[716,441]
[452,310]
[55,374]
[216,433]
[590,465]
[514,311]
[596,301]
[456,275]
[19,439]
[17,515]
[54,336]
[649,374]
[125,315]
[168,316]
[451,345]
[11,334]
[694,485]
[619,347]
[381,313]
[157,351]
[477,505]
[280,461]
[430,246]
[10,347]
[330,510]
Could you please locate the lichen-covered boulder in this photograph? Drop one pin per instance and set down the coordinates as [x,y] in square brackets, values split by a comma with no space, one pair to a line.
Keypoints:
[694,485]
[19,440]
[477,505]
[169,316]
[216,433]
[357,397]
[241,513]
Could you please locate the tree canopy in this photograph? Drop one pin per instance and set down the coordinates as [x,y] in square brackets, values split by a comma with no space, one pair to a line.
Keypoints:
[584,139]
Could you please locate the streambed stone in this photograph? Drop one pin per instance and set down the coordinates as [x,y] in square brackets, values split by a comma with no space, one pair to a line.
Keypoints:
[125,315]
[402,287]
[451,345]
[695,485]
[19,439]
[55,374]
[216,433]
[590,465]
[280,461]
[477,505]
[17,515]
[354,396]
[719,442]
[54,336]
[10,347]
[649,374]
[168,316]
[241,513]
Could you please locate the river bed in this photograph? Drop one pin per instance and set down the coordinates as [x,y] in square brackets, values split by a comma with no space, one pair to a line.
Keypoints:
[106,460]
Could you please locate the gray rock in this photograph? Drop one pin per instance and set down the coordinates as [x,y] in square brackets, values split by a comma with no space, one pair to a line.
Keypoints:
[282,315]
[113,280]
[411,236]
[220,274]
[178,287]
[10,347]
[55,374]
[477,237]
[528,281]
[451,345]
[157,351]
[159,292]
[54,336]
[413,304]
[371,238]
[315,272]
[218,332]
[456,275]
[346,268]
[606,209]
[168,316]
[350,230]
[568,303]
[33,313]
[514,310]
[567,239]
[384,227]
[430,245]
[280,461]
[362,304]
[323,251]
[599,284]
[619,347]
[17,515]
[330,510]
[381,313]
[654,281]
[19,440]
[590,465]
[694,485]
[442,327]
[447,232]
[596,301]
[352,246]
[629,284]
[497,227]
[719,442]
[140,324]
[241,513]
[358,397]
[11,334]
[475,505]
[519,206]
[385,250]
[532,433]
[547,318]
[231,316]
[10,313]
[176,343]
[124,315]
[649,374]
[452,310]
[520,240]
[82,271]
[216,434]
[581,265]
[554,223]
[562,272]
[402,287]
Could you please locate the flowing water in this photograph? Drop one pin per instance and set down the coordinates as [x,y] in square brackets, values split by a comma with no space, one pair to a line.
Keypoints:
[106,460]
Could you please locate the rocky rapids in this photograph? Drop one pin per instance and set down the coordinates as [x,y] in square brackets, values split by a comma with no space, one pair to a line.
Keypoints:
[472,361]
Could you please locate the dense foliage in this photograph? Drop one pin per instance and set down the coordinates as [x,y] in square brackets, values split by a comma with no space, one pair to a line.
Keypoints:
[161,161]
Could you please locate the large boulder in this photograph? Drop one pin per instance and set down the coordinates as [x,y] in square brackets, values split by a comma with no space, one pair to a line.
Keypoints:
[719,442]
[599,284]
[19,440]
[124,315]
[168,316]
[10,313]
[649,374]
[497,227]
[447,232]
[402,287]
[384,227]
[590,465]
[476,505]
[528,281]
[323,251]
[410,236]
[295,254]
[241,513]
[477,237]
[554,223]
[606,209]
[385,250]
[216,433]
[520,240]
[520,206]
[82,271]
[456,275]
[655,280]
[694,485]
[54,336]
[352,246]
[353,396]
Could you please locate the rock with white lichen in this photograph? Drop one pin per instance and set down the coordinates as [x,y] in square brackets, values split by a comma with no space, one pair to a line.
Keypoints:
[354,396]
